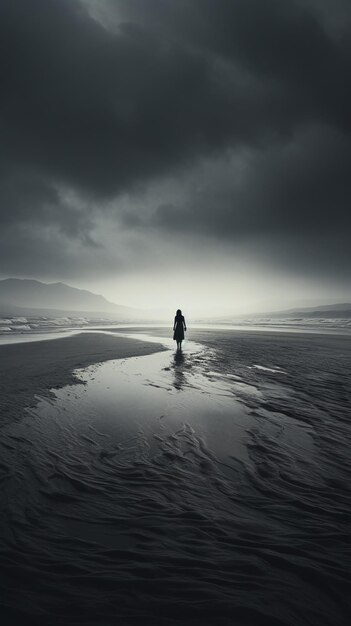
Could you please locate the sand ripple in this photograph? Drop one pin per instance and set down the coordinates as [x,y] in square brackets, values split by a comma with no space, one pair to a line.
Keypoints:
[135,508]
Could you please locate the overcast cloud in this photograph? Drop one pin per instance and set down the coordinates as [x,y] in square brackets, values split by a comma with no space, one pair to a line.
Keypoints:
[132,131]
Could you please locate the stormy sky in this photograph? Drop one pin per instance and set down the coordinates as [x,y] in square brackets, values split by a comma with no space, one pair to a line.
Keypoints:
[191,153]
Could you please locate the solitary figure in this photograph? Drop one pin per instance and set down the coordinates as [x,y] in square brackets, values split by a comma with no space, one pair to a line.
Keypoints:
[178,329]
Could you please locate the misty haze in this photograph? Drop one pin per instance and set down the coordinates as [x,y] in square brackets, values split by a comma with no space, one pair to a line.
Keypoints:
[175,312]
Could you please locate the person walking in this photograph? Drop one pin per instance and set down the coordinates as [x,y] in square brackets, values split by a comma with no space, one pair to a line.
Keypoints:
[179,327]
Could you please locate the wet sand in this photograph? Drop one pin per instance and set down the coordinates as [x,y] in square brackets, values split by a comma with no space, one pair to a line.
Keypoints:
[204,487]
[31,369]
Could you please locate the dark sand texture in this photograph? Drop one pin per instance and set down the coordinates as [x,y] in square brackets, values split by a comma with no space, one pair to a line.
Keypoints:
[202,487]
[30,369]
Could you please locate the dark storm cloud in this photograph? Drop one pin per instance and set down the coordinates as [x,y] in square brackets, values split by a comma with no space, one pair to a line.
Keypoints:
[162,85]
[98,110]
[285,42]
[301,187]
[289,203]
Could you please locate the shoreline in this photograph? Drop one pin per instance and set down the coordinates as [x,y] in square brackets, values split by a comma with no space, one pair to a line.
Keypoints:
[7,339]
[32,369]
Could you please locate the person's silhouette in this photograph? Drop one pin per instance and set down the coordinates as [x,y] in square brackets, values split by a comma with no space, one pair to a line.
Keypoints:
[179,327]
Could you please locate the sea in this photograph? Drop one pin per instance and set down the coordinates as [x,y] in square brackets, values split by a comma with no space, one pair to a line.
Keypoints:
[204,486]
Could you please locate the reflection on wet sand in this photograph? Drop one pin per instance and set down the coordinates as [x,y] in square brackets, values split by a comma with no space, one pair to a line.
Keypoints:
[192,488]
[179,361]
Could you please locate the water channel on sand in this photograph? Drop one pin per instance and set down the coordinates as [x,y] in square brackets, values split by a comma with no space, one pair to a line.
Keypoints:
[168,490]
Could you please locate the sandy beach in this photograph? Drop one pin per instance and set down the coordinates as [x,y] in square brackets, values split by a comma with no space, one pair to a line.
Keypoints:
[204,487]
[175,313]
[31,369]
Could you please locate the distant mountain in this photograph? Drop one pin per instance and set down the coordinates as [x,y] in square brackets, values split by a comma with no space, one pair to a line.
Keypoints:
[323,311]
[326,311]
[342,310]
[19,294]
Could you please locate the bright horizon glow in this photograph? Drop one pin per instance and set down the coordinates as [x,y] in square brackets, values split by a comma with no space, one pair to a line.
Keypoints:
[203,296]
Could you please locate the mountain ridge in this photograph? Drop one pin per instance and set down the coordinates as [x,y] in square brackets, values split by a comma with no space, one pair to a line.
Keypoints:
[25,293]
[337,310]
[323,310]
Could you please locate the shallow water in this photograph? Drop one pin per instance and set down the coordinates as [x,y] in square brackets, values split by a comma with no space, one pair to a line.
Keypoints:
[208,487]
